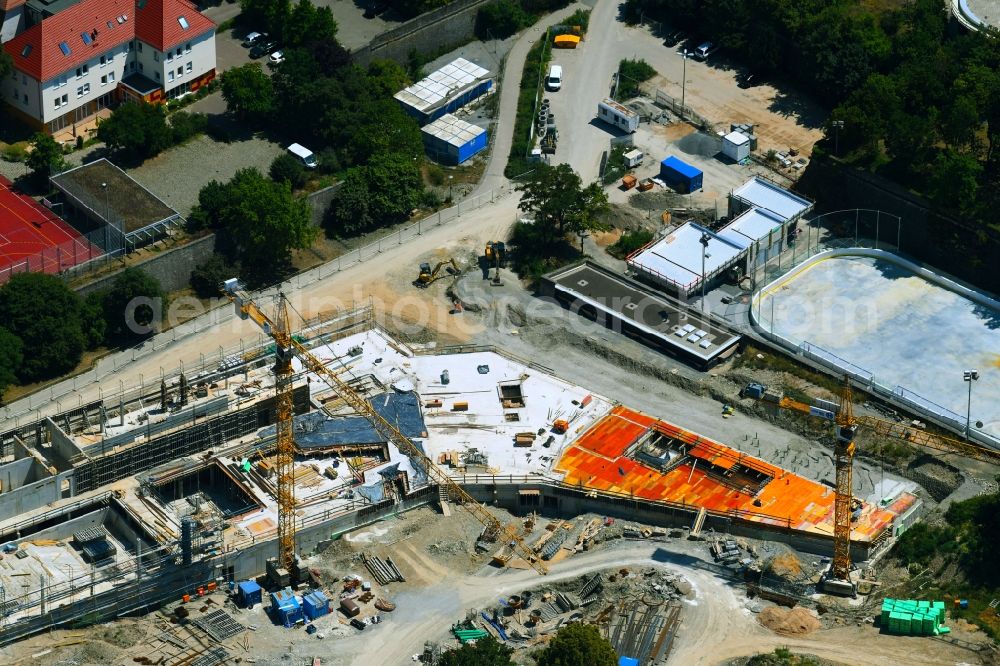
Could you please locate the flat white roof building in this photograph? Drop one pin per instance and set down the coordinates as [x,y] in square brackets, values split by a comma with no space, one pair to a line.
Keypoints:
[675,260]
[444,90]
[760,193]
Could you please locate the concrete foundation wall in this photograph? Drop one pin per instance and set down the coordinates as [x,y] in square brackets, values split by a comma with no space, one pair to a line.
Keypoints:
[62,449]
[452,24]
[27,486]
[172,268]
[563,502]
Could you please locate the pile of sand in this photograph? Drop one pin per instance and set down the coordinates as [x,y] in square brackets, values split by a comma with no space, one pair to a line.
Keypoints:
[787,566]
[797,621]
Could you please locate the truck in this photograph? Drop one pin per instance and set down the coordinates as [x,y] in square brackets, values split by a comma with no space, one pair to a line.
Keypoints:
[617,115]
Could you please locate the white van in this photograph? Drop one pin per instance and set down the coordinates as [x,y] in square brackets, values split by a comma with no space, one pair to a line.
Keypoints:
[554,80]
[304,154]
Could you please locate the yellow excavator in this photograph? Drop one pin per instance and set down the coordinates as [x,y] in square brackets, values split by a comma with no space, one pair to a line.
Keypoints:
[428,276]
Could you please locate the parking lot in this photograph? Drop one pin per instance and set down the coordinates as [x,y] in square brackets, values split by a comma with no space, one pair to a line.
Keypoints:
[711,91]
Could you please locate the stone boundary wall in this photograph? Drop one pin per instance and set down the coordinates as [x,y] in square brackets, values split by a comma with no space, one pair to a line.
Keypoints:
[427,33]
[172,267]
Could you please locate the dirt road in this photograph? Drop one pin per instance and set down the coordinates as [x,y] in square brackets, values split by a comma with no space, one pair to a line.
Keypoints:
[716,623]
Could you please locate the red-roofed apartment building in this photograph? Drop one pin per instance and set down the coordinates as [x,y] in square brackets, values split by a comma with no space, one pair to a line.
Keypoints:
[69,67]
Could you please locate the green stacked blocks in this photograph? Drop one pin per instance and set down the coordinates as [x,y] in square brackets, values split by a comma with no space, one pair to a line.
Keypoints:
[910,617]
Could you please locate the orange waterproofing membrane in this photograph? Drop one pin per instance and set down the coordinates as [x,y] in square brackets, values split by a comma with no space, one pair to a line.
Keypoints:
[596,460]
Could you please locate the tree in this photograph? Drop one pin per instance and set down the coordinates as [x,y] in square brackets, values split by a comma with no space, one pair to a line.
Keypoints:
[631,73]
[961,121]
[578,645]
[11,357]
[208,276]
[6,64]
[559,204]
[381,193]
[262,222]
[92,319]
[308,25]
[132,306]
[954,181]
[287,168]
[45,159]
[212,198]
[500,20]
[40,309]
[139,130]
[383,128]
[249,93]
[269,16]
[484,652]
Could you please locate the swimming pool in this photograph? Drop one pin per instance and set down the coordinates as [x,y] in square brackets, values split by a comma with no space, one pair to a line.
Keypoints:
[913,331]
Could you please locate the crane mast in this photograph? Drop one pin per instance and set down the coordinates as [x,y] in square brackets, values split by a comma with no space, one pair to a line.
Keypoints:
[847,425]
[287,347]
[843,454]
[285,450]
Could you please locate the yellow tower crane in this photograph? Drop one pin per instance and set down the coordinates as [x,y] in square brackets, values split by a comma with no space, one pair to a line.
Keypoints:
[847,425]
[278,328]
[287,347]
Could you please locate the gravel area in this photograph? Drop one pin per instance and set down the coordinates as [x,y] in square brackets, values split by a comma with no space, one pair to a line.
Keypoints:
[172,177]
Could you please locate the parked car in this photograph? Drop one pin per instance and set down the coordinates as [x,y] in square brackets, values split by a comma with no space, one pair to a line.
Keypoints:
[277,57]
[704,50]
[262,48]
[747,80]
[674,38]
[252,38]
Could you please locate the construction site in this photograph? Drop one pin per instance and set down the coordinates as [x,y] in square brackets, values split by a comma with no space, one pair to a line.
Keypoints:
[201,493]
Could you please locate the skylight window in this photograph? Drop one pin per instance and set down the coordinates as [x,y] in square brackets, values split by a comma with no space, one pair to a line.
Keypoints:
[184,22]
[26,51]
[110,24]
[86,38]
[64,47]
[121,19]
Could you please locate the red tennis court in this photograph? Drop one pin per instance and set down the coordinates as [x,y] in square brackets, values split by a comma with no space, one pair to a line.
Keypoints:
[32,238]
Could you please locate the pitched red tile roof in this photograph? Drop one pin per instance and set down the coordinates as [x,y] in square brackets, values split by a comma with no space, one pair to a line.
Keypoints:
[155,22]
[37,52]
[10,4]
[158,22]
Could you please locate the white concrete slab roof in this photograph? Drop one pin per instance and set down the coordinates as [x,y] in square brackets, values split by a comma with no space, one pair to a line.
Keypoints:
[737,138]
[451,79]
[677,257]
[753,225]
[483,424]
[762,194]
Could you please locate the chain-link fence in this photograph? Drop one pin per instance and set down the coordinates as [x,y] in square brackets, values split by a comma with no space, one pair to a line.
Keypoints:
[849,233]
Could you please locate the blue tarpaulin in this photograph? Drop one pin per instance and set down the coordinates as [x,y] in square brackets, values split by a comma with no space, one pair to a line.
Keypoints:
[316,430]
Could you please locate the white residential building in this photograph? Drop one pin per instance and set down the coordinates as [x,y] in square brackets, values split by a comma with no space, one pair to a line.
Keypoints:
[70,67]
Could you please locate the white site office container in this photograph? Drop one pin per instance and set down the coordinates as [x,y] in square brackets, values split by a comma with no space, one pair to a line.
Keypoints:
[617,115]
